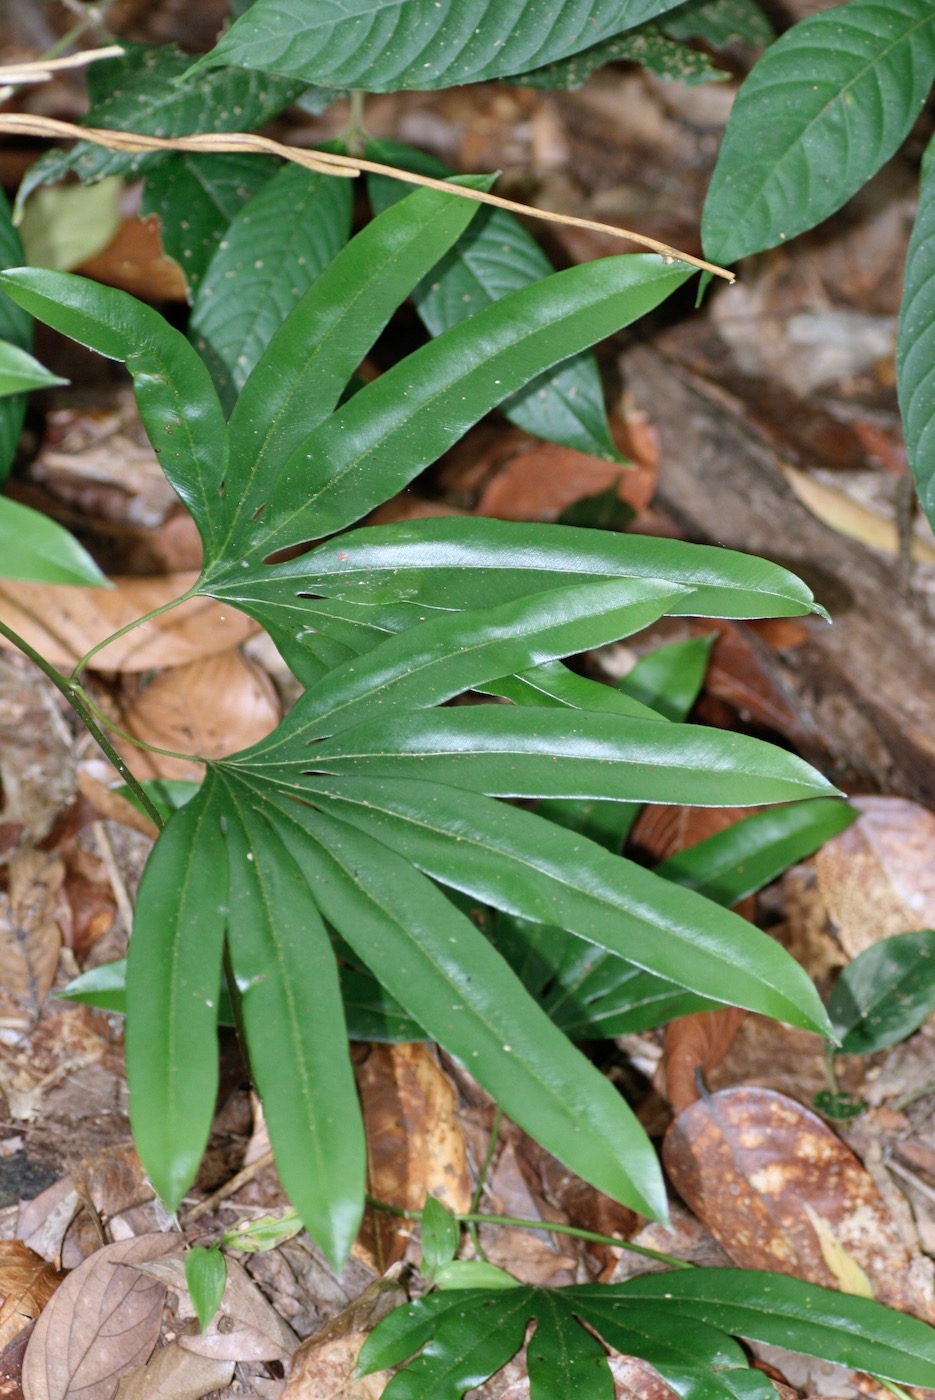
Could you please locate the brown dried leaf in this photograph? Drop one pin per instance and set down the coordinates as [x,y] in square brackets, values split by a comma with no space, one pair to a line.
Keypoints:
[32,919]
[323,1366]
[27,1283]
[175,1374]
[63,622]
[245,1327]
[543,479]
[11,1365]
[211,707]
[113,1180]
[760,1170]
[877,878]
[415,1146]
[135,261]
[103,1319]
[111,805]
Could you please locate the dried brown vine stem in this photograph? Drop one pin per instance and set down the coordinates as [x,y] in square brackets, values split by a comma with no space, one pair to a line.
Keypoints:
[325,163]
[41,69]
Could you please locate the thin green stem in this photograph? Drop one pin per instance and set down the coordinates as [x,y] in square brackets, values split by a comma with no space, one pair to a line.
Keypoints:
[549,1226]
[77,701]
[485,1165]
[130,626]
[131,738]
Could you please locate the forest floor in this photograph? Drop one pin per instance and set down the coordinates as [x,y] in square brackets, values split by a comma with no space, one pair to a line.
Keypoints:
[767,420]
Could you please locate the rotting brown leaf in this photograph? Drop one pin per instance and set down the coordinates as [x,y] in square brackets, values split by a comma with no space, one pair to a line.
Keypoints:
[103,1319]
[211,707]
[323,1366]
[63,623]
[877,878]
[175,1374]
[27,1282]
[415,1146]
[245,1327]
[33,917]
[761,1171]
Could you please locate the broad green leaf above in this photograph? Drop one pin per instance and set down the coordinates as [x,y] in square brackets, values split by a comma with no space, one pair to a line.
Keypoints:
[718,22]
[377,442]
[196,196]
[272,252]
[529,867]
[16,328]
[177,401]
[306,366]
[20,372]
[142,91]
[450,652]
[510,751]
[441,968]
[647,45]
[173,976]
[388,45]
[682,1321]
[472,562]
[36,549]
[884,994]
[494,256]
[817,116]
[915,344]
[289,1005]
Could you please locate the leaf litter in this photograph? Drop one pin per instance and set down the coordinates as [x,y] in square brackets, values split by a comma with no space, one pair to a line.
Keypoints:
[872,880]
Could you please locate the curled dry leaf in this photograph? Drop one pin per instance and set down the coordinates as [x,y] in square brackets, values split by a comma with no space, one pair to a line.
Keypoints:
[175,1374]
[323,1366]
[780,1191]
[27,1282]
[33,917]
[103,1319]
[245,1327]
[111,805]
[694,1045]
[64,623]
[415,1146]
[212,707]
[877,878]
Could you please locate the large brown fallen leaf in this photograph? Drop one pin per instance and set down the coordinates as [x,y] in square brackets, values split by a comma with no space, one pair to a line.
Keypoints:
[323,1366]
[245,1327]
[63,623]
[415,1146]
[27,1282]
[877,878]
[33,917]
[175,1374]
[780,1191]
[103,1319]
[212,707]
